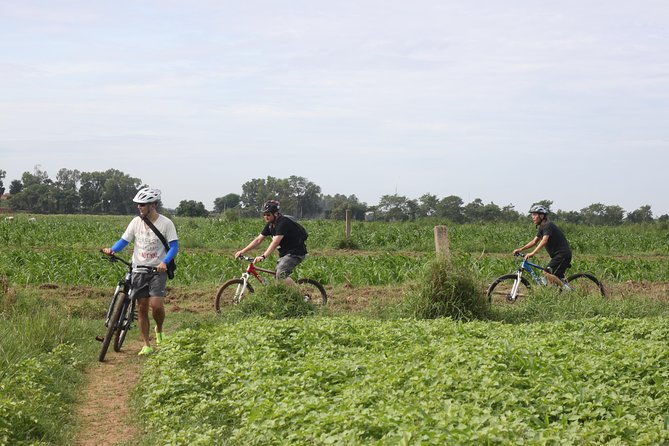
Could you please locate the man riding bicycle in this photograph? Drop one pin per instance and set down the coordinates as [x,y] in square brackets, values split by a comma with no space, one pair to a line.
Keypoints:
[287,236]
[557,246]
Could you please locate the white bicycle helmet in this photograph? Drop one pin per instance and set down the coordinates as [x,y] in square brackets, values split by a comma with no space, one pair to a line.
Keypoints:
[147,195]
[538,209]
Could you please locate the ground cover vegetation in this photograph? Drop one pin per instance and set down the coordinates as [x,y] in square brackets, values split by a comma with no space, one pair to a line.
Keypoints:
[42,357]
[392,371]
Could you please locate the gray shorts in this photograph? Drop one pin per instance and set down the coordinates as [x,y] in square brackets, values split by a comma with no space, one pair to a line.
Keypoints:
[145,285]
[286,265]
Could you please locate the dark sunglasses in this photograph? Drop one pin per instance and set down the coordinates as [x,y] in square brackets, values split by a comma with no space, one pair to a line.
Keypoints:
[141,205]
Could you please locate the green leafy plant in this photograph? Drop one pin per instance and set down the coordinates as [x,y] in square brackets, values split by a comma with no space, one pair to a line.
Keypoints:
[277,300]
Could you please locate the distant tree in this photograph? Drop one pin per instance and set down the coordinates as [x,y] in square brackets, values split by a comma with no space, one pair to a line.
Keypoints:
[110,192]
[335,207]
[510,214]
[191,208]
[229,201]
[37,194]
[2,177]
[451,207]
[427,205]
[67,199]
[298,196]
[599,214]
[641,215]
[474,211]
[396,208]
[15,187]
[568,216]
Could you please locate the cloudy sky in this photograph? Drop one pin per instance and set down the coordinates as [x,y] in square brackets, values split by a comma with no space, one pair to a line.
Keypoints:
[510,102]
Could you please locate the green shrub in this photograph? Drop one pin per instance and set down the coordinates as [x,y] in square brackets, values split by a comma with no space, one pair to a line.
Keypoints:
[347,243]
[443,291]
[277,300]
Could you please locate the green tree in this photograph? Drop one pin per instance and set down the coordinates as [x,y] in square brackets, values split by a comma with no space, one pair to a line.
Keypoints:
[38,193]
[427,205]
[15,187]
[451,207]
[67,199]
[191,208]
[229,201]
[599,214]
[110,192]
[297,195]
[473,211]
[396,208]
[641,215]
[335,207]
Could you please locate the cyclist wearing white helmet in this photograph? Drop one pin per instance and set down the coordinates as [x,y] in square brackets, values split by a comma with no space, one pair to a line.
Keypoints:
[149,250]
[288,237]
[550,236]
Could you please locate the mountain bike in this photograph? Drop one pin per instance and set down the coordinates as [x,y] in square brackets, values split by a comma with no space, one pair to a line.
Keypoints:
[121,312]
[235,290]
[510,287]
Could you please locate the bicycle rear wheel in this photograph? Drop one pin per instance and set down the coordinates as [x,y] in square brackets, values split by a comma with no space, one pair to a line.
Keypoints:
[231,293]
[313,292]
[112,327]
[499,292]
[585,284]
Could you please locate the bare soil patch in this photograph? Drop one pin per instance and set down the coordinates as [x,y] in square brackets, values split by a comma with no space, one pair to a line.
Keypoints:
[104,414]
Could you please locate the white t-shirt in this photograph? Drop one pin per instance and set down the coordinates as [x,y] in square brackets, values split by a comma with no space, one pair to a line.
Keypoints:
[148,249]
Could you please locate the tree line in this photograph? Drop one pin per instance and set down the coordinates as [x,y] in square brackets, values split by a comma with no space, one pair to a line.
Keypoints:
[111,192]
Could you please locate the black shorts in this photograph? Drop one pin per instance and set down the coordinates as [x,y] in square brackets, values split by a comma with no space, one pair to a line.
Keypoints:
[558,265]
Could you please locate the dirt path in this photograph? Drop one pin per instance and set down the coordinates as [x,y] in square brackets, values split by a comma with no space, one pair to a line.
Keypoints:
[104,414]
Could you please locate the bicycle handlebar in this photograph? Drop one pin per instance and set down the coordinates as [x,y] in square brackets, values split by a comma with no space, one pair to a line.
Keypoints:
[248,259]
[113,258]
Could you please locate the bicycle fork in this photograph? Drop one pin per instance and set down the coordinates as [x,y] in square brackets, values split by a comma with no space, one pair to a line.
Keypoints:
[241,288]
[514,290]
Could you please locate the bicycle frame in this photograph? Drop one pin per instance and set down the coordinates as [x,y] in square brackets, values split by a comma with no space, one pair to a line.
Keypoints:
[526,265]
[251,270]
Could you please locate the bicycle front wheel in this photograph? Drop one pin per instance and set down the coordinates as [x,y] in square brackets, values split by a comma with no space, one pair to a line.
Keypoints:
[123,327]
[113,325]
[500,291]
[586,284]
[231,292]
[313,292]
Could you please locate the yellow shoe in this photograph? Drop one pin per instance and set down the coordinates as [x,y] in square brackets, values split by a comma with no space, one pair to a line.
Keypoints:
[146,350]
[160,337]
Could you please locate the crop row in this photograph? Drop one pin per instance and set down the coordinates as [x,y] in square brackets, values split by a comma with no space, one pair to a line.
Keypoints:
[416,236]
[354,381]
[64,266]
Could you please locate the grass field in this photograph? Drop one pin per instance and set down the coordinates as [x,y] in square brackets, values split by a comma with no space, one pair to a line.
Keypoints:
[586,371]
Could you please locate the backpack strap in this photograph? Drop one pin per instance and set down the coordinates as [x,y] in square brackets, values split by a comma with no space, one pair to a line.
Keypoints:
[158,233]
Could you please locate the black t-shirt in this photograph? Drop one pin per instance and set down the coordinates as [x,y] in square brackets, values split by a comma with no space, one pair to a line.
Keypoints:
[557,243]
[292,242]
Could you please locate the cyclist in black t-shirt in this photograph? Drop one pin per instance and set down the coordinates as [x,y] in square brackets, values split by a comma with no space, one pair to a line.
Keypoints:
[550,236]
[287,237]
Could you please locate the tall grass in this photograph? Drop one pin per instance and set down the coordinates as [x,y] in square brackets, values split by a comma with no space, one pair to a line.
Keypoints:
[42,356]
[445,291]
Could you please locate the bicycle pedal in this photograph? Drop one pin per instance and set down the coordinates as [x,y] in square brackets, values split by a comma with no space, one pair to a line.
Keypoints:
[99,339]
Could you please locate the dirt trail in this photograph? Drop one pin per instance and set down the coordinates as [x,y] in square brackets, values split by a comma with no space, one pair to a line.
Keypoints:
[104,414]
